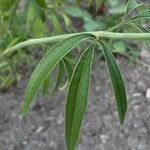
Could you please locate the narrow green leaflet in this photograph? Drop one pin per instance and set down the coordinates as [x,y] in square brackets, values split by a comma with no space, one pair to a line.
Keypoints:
[67,20]
[142,15]
[68,68]
[47,64]
[60,76]
[77,98]
[117,82]
[70,58]
[131,5]
[46,85]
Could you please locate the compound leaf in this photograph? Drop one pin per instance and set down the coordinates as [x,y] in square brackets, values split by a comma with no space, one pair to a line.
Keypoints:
[47,64]
[117,82]
[77,98]
[131,5]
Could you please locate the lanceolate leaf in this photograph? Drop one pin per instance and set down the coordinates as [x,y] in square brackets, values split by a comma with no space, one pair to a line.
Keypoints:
[47,64]
[77,98]
[142,15]
[69,69]
[60,76]
[46,85]
[117,82]
[131,5]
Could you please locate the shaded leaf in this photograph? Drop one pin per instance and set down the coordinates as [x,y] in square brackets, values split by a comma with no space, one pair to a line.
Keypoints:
[131,5]
[41,3]
[46,85]
[119,47]
[38,10]
[69,70]
[70,58]
[55,22]
[78,12]
[47,64]
[142,15]
[117,82]
[139,28]
[77,98]
[60,76]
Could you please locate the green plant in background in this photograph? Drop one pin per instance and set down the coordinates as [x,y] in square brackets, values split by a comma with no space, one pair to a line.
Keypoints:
[20,20]
[79,77]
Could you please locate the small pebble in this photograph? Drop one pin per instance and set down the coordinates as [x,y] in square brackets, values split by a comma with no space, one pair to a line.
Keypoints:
[148,93]
[40,128]
[137,94]
[145,55]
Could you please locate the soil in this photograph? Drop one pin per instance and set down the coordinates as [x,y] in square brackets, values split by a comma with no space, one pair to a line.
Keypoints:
[43,128]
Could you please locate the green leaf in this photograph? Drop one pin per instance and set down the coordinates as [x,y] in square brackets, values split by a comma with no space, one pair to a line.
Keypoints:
[131,5]
[119,47]
[142,15]
[47,64]
[78,12]
[56,23]
[67,20]
[60,76]
[117,82]
[77,98]
[139,28]
[91,25]
[46,85]
[38,9]
[41,3]
[69,70]
[70,58]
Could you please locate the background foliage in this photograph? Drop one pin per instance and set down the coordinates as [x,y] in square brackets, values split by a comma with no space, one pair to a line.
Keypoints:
[21,20]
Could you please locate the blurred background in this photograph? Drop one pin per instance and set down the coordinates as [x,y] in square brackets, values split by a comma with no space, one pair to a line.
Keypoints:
[43,128]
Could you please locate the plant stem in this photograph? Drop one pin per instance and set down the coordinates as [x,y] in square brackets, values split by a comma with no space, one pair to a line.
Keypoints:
[98,35]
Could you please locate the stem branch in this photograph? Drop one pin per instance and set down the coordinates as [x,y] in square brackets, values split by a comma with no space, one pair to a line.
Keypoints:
[97,34]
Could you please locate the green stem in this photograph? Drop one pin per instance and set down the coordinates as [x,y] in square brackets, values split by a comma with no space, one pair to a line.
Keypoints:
[97,34]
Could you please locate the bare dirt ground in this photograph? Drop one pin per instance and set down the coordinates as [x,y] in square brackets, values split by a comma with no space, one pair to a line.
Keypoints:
[43,128]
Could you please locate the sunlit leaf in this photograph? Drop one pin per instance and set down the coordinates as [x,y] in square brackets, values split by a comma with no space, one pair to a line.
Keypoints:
[117,82]
[77,98]
[47,64]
